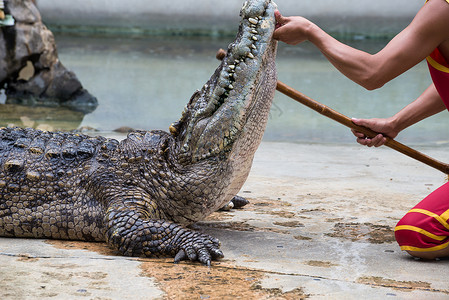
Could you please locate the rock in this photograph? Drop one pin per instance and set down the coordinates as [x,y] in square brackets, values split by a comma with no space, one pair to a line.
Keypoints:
[30,70]
[45,127]
[27,122]
[24,11]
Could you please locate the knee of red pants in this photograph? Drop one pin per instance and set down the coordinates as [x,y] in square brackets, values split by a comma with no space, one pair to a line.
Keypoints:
[425,227]
[420,232]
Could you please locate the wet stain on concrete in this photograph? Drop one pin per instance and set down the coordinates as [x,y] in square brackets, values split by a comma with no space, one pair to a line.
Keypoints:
[314,210]
[385,282]
[375,234]
[255,204]
[302,238]
[292,224]
[191,280]
[321,264]
[283,214]
[235,226]
[220,216]
[221,281]
[101,248]
[64,273]
[27,258]
[330,220]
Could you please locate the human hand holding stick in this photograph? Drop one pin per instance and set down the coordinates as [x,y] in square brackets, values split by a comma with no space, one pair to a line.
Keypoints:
[342,119]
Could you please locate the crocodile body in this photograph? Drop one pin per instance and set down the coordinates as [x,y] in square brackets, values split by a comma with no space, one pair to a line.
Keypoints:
[139,194]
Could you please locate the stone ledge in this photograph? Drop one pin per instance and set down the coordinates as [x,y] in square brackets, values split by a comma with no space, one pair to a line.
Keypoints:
[373,18]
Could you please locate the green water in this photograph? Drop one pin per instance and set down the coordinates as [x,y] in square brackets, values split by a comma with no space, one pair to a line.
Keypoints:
[144,83]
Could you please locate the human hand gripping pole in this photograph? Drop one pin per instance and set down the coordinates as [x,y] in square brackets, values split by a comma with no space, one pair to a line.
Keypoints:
[342,119]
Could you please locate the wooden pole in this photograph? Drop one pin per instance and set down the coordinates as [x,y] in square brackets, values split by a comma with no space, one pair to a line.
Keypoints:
[342,119]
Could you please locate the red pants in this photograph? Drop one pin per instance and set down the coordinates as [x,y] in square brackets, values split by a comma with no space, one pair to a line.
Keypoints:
[425,228]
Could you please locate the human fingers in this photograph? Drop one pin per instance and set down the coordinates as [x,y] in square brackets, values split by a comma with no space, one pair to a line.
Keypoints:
[369,123]
[277,15]
[362,122]
[357,133]
[365,142]
[280,20]
[377,141]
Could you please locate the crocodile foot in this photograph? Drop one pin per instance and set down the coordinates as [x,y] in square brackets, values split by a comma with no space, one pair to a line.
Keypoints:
[236,202]
[200,247]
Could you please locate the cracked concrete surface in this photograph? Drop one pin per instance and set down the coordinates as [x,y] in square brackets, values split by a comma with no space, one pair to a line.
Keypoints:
[319,226]
[35,269]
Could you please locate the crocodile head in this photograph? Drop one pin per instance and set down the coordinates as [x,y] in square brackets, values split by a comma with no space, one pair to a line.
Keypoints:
[227,117]
[211,148]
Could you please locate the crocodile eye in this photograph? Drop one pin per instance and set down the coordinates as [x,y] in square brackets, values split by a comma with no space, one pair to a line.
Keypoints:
[85,150]
[52,154]
[68,154]
[83,154]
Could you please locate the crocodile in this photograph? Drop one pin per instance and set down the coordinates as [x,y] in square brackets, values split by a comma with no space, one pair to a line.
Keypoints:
[140,194]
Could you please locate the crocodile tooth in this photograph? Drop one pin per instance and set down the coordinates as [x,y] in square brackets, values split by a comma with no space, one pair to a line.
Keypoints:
[254,31]
[253,46]
[255,38]
[232,67]
[253,21]
[250,55]
[173,130]
[231,87]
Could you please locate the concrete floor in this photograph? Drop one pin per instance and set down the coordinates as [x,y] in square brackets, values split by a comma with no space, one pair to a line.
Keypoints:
[319,226]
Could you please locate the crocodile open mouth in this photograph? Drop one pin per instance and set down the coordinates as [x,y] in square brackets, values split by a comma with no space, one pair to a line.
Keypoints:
[242,58]
[230,90]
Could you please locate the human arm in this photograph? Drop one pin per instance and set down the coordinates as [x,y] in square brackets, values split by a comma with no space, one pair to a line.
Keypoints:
[426,32]
[428,104]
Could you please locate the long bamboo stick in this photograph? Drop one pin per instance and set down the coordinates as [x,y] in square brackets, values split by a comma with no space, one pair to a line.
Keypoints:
[342,119]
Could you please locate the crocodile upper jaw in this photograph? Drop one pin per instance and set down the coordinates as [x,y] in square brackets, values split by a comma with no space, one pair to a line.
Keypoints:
[218,114]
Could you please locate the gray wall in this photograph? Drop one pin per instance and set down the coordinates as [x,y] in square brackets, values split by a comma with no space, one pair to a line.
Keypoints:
[345,17]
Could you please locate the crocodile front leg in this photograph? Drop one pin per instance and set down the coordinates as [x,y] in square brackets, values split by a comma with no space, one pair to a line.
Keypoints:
[135,230]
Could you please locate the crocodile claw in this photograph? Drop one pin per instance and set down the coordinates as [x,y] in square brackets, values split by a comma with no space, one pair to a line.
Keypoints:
[200,247]
[239,202]
[181,255]
[236,202]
